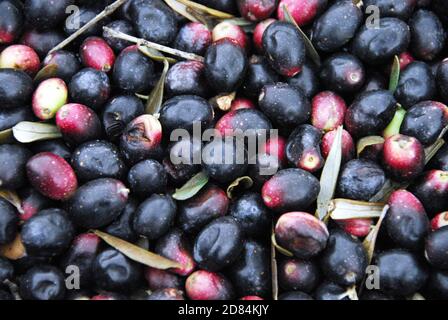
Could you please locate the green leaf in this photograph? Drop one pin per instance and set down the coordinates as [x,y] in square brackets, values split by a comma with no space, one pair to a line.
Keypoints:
[329,176]
[394,75]
[26,132]
[49,71]
[388,187]
[12,198]
[342,209]
[368,141]
[246,25]
[138,254]
[312,52]
[393,127]
[432,149]
[240,183]
[181,9]
[6,136]
[370,241]
[192,187]
[154,54]
[274,273]
[280,249]
[155,99]
[212,12]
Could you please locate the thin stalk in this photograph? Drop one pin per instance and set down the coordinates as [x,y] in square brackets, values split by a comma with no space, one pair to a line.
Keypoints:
[153,45]
[103,14]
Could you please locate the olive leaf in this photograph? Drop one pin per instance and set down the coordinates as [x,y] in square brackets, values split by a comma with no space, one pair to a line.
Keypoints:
[6,136]
[136,253]
[368,141]
[192,187]
[280,249]
[432,149]
[12,198]
[14,250]
[394,75]
[393,127]
[155,98]
[240,183]
[274,273]
[312,52]
[155,54]
[223,101]
[212,12]
[26,132]
[181,9]
[370,241]
[341,209]
[141,96]
[209,21]
[49,71]
[329,176]
[247,26]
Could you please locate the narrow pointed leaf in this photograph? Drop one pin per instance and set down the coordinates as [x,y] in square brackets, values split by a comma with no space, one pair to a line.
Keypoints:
[341,209]
[329,176]
[155,99]
[138,254]
[240,183]
[141,96]
[370,241]
[274,273]
[213,12]
[387,189]
[247,26]
[394,75]
[14,250]
[393,127]
[27,132]
[6,136]
[312,52]
[154,54]
[280,249]
[181,9]
[12,198]
[192,187]
[49,71]
[432,149]
[368,141]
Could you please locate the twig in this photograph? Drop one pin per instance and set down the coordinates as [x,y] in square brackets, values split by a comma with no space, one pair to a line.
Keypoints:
[103,14]
[120,35]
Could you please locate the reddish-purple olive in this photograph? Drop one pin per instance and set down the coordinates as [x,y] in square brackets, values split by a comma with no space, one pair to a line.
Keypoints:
[52,176]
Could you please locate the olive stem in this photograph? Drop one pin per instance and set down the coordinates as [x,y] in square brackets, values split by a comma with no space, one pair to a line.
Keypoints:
[153,45]
[103,14]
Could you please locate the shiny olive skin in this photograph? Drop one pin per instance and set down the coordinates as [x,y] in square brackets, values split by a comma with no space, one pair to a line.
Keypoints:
[219,244]
[251,272]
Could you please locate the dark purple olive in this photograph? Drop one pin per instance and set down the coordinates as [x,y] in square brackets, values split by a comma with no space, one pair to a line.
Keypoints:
[336,26]
[219,244]
[379,45]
